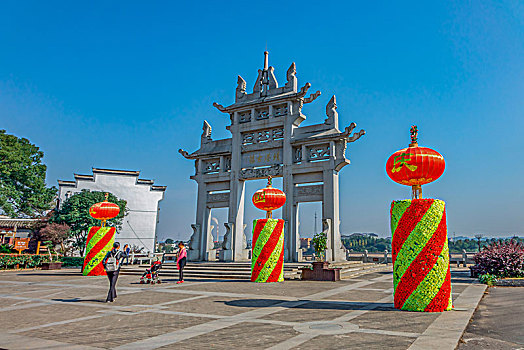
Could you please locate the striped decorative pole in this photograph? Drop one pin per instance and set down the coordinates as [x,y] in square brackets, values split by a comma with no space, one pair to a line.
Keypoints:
[267,258]
[99,241]
[421,271]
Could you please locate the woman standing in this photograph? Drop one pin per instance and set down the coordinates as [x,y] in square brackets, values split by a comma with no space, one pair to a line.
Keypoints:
[112,262]
[181,261]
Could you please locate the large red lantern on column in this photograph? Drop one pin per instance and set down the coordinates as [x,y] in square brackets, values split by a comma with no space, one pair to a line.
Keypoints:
[415,166]
[104,210]
[269,198]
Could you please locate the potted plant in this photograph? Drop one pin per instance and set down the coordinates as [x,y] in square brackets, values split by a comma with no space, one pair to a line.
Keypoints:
[320,270]
[51,265]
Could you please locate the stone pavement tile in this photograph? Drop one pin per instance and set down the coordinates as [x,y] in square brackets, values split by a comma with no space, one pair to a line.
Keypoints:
[356,341]
[288,288]
[382,285]
[36,316]
[223,306]
[148,298]
[114,330]
[498,320]
[5,302]
[458,287]
[314,311]
[40,276]
[360,295]
[396,320]
[54,293]
[243,336]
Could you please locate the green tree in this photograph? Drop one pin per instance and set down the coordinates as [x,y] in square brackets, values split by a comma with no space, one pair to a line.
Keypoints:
[23,192]
[169,241]
[75,213]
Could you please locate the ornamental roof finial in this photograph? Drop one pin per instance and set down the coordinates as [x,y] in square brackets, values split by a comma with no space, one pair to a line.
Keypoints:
[414,136]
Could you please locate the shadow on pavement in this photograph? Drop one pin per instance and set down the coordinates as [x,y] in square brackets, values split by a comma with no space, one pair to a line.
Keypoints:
[78,300]
[310,305]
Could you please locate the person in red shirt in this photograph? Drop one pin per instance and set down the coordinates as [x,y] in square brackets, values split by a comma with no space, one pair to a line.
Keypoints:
[181,261]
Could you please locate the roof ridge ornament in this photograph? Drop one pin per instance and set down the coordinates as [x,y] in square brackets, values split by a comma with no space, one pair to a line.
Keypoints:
[331,112]
[206,133]
[291,76]
[241,89]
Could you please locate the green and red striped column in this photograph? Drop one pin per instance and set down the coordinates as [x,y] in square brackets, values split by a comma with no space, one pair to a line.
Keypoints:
[421,274]
[99,241]
[267,258]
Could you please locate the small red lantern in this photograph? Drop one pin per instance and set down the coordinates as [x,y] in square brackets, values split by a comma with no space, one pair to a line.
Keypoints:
[415,166]
[269,198]
[104,210]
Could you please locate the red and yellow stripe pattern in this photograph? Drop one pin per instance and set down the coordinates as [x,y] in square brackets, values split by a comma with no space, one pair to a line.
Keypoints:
[267,258]
[99,241]
[421,274]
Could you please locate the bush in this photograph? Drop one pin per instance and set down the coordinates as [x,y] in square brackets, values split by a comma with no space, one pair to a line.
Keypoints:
[68,261]
[9,261]
[501,259]
[488,279]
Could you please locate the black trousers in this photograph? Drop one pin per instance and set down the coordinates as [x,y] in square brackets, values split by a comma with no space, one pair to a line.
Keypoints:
[181,265]
[113,276]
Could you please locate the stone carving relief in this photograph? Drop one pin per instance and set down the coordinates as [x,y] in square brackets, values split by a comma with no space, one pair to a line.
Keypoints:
[226,244]
[206,133]
[244,117]
[211,166]
[263,136]
[273,84]
[318,152]
[280,110]
[309,190]
[248,138]
[262,113]
[227,163]
[258,82]
[218,197]
[195,237]
[291,77]
[312,97]
[331,112]
[241,88]
[253,173]
[297,154]
[277,134]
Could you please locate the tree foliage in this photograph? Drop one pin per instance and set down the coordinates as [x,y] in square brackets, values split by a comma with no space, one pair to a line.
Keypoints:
[23,192]
[54,233]
[75,213]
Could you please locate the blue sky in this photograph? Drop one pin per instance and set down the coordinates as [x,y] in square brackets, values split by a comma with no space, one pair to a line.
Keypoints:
[125,84]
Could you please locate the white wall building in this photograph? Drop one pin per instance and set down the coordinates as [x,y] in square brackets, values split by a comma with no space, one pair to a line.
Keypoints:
[142,196]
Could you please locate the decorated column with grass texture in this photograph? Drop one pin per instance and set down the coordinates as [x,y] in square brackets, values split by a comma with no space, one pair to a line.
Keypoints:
[421,271]
[100,239]
[267,258]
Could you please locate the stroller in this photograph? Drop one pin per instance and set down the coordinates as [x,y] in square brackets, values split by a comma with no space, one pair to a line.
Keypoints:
[151,274]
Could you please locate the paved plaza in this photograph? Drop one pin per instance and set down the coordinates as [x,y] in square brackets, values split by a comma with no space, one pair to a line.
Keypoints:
[63,310]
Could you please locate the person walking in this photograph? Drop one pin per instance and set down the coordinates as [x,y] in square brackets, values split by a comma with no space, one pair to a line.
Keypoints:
[127,251]
[111,263]
[181,261]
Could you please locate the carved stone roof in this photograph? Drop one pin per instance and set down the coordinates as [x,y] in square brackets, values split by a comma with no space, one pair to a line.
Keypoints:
[217,147]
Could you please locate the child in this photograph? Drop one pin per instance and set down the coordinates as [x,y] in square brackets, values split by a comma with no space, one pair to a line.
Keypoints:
[181,261]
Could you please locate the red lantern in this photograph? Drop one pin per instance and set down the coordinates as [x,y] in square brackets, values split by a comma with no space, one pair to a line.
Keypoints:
[269,198]
[415,166]
[104,210]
